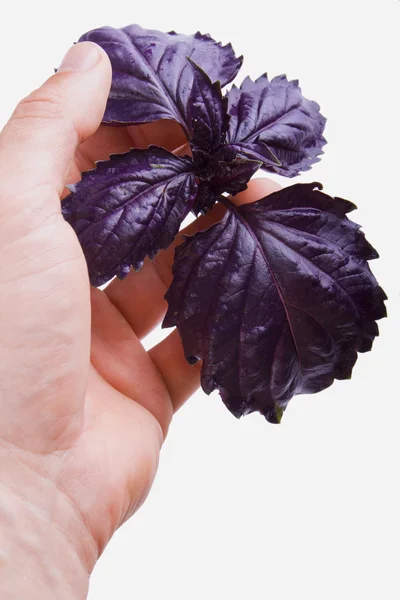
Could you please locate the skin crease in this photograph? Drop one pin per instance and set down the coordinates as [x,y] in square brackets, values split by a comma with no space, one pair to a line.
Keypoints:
[84,408]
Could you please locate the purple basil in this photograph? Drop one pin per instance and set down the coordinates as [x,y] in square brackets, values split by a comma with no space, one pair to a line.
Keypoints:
[277,298]
[152,78]
[130,207]
[209,116]
[273,116]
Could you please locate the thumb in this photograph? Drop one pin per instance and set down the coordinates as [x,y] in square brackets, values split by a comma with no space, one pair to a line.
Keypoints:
[38,144]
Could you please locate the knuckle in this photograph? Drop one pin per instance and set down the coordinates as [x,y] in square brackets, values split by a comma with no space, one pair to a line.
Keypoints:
[40,104]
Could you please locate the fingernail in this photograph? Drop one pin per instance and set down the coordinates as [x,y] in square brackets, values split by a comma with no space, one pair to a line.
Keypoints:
[81,57]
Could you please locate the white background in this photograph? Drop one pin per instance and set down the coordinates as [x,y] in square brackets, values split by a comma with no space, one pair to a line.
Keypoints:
[243,509]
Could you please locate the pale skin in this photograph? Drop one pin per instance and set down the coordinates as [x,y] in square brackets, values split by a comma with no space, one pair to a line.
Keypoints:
[84,408]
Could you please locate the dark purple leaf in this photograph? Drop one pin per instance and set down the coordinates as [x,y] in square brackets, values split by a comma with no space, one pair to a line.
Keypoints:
[224,171]
[231,177]
[276,299]
[229,171]
[208,111]
[129,207]
[152,78]
[274,116]
[257,151]
[205,199]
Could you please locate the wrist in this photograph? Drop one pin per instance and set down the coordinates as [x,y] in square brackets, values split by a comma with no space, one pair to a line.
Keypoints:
[46,550]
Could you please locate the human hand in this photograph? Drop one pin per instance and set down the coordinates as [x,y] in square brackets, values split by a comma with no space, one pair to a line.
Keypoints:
[84,408]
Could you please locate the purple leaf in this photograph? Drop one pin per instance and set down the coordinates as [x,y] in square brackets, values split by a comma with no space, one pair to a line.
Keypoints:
[152,78]
[276,299]
[208,110]
[273,116]
[205,199]
[129,207]
[229,171]
[231,177]
[257,151]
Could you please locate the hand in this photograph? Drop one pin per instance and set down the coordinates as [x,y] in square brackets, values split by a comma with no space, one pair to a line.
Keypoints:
[84,408]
